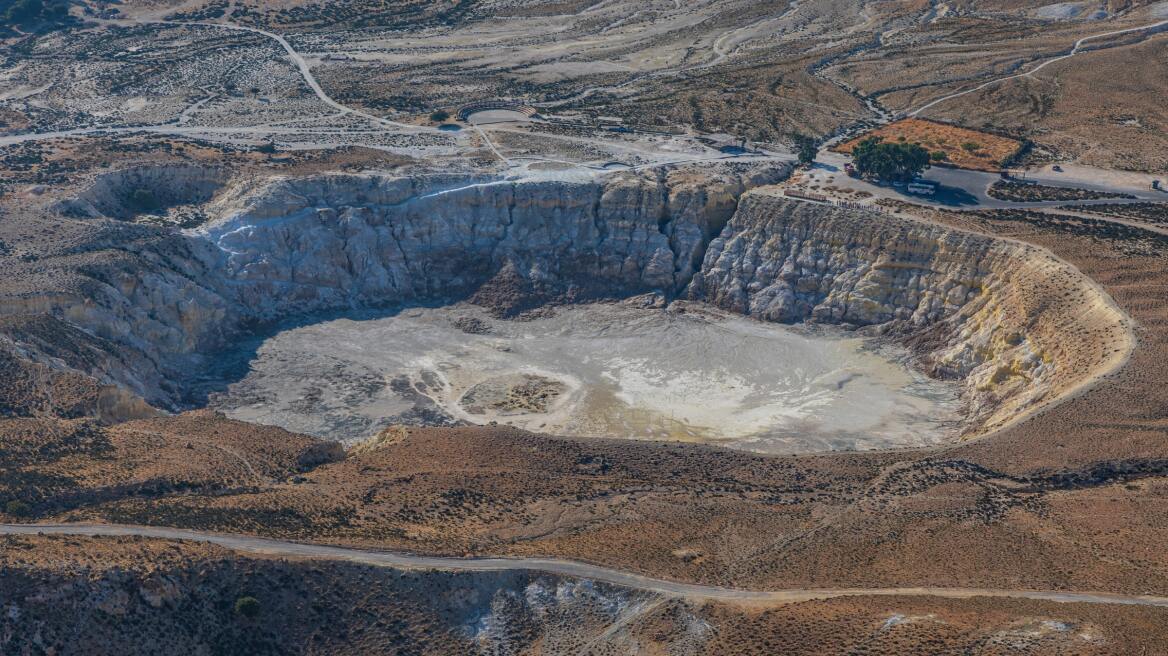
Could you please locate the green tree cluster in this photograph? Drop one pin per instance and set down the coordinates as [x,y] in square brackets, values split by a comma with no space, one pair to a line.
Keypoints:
[889,162]
[16,507]
[806,148]
[20,12]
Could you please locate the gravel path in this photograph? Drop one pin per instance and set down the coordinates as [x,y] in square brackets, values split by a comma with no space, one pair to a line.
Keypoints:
[280,548]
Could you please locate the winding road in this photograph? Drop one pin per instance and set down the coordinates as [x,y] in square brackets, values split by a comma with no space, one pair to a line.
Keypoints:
[555,566]
[297,60]
[180,126]
[1074,51]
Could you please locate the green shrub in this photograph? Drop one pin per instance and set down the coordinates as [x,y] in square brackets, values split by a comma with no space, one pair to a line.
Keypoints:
[27,11]
[248,607]
[439,116]
[938,156]
[971,146]
[17,508]
[144,200]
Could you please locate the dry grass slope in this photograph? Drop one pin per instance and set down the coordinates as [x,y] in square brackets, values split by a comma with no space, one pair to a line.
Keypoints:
[963,148]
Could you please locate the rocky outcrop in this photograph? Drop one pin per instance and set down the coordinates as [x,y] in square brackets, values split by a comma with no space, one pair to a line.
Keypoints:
[68,596]
[1017,326]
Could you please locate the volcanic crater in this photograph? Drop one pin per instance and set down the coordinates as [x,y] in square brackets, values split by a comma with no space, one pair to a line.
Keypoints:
[693,304]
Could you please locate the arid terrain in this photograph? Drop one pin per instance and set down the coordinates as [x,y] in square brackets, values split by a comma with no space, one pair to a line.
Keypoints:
[556,327]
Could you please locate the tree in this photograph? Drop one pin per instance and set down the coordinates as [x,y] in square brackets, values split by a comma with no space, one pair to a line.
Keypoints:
[16,508]
[248,607]
[23,10]
[439,116]
[890,162]
[144,200]
[28,11]
[56,11]
[806,148]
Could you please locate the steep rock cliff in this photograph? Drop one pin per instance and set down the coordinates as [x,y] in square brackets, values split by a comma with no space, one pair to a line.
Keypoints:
[159,304]
[349,240]
[1017,326]
[150,309]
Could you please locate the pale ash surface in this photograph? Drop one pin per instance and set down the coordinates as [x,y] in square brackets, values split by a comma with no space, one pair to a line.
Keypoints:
[600,370]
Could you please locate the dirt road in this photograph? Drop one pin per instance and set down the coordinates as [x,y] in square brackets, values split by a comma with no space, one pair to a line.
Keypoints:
[298,61]
[280,548]
[1074,51]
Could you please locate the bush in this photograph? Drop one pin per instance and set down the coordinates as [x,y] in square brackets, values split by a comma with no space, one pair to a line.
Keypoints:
[29,12]
[23,10]
[143,200]
[938,156]
[971,146]
[890,162]
[248,607]
[16,508]
[439,116]
[268,148]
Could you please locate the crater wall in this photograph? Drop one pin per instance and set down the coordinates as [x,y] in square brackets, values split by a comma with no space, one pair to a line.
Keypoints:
[345,241]
[125,193]
[1017,326]
[149,309]
[157,306]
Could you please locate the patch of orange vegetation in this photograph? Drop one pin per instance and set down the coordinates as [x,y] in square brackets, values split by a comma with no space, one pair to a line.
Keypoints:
[963,148]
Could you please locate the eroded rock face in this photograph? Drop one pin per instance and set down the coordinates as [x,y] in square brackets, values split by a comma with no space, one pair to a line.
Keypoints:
[1019,327]
[161,304]
[339,241]
[788,261]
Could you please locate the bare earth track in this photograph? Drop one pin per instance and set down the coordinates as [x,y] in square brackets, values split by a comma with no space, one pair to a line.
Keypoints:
[267,547]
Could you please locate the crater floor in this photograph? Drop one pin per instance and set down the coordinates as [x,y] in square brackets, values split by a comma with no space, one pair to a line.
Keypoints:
[603,370]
